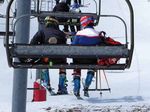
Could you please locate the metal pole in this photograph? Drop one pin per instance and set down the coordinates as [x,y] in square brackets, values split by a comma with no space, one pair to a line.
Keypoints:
[20,75]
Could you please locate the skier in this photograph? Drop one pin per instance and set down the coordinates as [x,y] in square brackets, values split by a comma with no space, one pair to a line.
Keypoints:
[52,35]
[87,36]
[62,7]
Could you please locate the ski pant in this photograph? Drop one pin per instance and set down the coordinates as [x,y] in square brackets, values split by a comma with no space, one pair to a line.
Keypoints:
[77,76]
[62,86]
[78,1]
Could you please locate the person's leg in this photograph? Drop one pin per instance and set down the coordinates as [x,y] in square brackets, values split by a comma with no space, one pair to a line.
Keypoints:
[75,1]
[65,28]
[68,2]
[46,79]
[72,28]
[62,86]
[79,1]
[88,81]
[76,80]
[78,26]
[57,1]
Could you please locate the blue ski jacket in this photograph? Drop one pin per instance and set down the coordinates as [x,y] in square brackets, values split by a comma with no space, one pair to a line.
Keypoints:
[87,36]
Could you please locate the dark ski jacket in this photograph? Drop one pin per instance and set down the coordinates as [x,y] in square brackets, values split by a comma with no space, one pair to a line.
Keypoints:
[42,36]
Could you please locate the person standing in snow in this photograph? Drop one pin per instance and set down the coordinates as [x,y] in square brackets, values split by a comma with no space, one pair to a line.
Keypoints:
[87,36]
[52,35]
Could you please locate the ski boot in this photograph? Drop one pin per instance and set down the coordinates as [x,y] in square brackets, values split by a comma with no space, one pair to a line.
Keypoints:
[62,86]
[86,93]
[50,90]
[76,89]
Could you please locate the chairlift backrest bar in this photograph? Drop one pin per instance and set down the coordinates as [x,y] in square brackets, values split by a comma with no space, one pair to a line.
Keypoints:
[67,14]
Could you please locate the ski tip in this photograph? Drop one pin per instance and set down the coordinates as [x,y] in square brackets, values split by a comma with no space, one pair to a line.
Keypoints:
[79,98]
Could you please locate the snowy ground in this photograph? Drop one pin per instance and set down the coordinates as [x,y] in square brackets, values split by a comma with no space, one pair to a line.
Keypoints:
[130,90]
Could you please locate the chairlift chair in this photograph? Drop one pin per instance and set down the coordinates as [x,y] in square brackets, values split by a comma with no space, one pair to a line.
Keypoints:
[15,50]
[69,15]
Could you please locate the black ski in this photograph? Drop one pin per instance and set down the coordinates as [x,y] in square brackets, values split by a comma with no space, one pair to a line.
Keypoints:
[79,98]
[86,93]
[52,93]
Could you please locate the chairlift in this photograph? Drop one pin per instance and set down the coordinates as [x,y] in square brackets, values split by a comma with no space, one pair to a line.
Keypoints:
[18,50]
[69,15]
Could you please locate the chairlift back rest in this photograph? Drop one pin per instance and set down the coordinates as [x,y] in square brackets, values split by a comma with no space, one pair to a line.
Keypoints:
[68,51]
[68,15]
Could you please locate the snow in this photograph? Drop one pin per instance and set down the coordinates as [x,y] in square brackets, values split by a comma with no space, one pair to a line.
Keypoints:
[130,90]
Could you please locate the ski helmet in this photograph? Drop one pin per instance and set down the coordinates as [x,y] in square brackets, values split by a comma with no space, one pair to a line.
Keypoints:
[86,20]
[50,20]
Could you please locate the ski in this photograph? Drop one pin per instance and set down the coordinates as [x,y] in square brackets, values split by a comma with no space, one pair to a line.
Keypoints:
[52,93]
[79,97]
[86,94]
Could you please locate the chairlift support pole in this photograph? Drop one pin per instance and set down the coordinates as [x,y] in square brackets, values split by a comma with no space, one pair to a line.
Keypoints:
[20,75]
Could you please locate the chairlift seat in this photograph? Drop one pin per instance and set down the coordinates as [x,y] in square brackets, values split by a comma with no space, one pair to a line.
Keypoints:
[68,51]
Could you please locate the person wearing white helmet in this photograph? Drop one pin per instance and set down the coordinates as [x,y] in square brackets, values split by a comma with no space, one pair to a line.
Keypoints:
[87,36]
